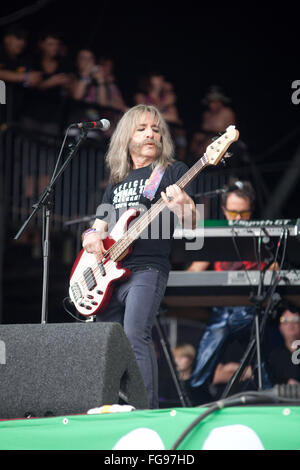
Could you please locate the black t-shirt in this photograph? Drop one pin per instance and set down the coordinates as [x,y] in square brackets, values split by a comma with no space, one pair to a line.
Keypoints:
[233,352]
[46,105]
[15,64]
[153,247]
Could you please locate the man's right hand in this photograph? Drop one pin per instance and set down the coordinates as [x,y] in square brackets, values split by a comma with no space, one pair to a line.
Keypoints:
[93,243]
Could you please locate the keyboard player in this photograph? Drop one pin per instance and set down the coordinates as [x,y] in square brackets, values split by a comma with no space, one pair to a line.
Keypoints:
[226,323]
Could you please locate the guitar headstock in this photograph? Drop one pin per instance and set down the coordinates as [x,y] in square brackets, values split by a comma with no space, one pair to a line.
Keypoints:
[218,148]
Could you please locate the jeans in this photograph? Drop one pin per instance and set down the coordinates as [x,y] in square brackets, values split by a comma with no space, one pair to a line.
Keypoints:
[224,322]
[135,304]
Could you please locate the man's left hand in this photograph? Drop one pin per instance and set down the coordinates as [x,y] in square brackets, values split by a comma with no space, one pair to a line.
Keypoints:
[176,198]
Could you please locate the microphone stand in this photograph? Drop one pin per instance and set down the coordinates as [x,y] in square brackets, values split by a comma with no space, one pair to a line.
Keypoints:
[183,397]
[86,218]
[45,202]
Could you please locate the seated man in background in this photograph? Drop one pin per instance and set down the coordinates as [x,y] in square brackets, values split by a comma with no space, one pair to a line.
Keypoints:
[229,362]
[226,322]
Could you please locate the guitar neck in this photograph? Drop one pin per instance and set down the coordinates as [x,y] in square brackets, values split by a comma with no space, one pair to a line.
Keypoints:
[145,220]
[192,172]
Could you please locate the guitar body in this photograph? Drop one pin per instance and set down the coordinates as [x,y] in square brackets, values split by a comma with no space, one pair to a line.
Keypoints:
[91,286]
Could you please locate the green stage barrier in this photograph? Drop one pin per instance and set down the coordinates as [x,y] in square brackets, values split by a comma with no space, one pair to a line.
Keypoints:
[243,427]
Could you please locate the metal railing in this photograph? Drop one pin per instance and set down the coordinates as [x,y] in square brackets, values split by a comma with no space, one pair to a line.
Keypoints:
[28,160]
[28,163]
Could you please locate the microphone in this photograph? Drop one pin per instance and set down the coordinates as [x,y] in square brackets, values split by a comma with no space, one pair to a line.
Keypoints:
[210,193]
[103,124]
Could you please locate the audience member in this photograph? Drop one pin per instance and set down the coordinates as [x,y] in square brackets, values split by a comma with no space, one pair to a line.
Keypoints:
[284,361]
[155,90]
[184,356]
[44,107]
[198,143]
[179,136]
[15,70]
[114,98]
[87,84]
[87,90]
[229,363]
[218,115]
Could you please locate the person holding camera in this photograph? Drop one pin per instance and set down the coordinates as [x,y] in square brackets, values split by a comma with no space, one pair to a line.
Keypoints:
[88,83]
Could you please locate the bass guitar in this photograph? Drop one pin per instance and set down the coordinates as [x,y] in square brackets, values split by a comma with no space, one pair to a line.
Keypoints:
[92,282]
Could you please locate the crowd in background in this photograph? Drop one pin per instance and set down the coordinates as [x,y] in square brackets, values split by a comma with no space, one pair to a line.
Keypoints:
[281,348]
[51,89]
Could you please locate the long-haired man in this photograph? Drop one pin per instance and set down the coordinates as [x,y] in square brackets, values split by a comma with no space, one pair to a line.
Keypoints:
[141,152]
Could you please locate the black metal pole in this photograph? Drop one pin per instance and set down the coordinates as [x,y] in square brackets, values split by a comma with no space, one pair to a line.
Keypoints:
[166,348]
[45,203]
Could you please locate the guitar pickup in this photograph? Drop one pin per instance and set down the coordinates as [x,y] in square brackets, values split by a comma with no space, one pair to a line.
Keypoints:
[89,278]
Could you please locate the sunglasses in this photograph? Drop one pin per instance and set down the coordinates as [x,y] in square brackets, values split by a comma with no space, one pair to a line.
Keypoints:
[243,214]
[290,320]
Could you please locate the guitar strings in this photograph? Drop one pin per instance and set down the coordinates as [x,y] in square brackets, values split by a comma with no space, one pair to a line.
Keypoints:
[121,245]
[157,207]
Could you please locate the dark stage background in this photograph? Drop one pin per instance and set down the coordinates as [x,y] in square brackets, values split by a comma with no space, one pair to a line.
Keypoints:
[250,50]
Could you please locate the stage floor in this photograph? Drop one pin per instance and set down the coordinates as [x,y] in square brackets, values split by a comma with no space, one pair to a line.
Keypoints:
[238,428]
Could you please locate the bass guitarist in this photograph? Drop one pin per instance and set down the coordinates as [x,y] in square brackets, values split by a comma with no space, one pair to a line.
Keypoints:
[142,170]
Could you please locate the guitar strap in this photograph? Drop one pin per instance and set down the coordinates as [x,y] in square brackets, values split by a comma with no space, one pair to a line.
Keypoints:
[153,182]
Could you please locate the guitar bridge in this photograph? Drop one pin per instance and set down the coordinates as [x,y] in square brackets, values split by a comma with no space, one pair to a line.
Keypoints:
[76,291]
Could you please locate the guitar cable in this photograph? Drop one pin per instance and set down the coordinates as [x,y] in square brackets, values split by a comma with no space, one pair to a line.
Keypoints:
[283,393]
[64,302]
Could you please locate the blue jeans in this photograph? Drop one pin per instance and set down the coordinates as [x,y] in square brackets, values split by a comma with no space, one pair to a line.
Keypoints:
[135,304]
[224,322]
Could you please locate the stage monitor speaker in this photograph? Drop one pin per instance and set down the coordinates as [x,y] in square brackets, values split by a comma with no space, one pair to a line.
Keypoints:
[61,369]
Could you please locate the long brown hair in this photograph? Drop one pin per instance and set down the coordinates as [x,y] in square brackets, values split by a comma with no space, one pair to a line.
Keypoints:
[118,158]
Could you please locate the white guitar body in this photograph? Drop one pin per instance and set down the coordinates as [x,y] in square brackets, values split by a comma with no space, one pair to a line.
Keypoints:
[91,285]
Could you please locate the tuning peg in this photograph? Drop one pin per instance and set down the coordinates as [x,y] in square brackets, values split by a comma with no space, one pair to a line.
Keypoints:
[223,161]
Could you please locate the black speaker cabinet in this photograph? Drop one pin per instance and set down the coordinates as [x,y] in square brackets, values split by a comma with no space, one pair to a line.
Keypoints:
[60,369]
